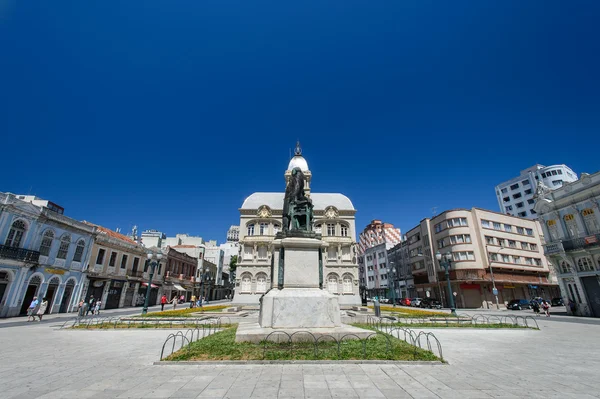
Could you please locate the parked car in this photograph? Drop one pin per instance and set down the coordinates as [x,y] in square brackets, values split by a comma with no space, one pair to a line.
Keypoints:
[557,302]
[430,303]
[518,304]
[416,302]
[404,301]
[384,300]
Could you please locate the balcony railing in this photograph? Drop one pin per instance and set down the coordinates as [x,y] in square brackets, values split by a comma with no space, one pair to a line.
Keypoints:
[572,244]
[137,273]
[22,254]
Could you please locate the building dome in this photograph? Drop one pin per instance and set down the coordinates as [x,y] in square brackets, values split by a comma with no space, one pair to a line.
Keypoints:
[298,161]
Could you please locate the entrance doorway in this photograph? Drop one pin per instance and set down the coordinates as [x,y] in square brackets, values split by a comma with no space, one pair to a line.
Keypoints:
[114,295]
[592,289]
[4,280]
[66,298]
[32,289]
[95,289]
[51,293]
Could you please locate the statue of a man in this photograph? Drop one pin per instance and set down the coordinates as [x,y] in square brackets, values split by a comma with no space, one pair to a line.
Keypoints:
[294,194]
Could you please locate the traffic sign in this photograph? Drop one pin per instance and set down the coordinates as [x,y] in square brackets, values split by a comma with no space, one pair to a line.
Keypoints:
[495,291]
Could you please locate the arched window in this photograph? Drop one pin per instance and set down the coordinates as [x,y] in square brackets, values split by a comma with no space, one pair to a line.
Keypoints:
[246,282]
[565,267]
[347,284]
[79,251]
[54,281]
[65,241]
[276,228]
[318,228]
[15,235]
[263,229]
[332,283]
[46,243]
[585,265]
[35,280]
[552,229]
[251,229]
[261,283]
[344,230]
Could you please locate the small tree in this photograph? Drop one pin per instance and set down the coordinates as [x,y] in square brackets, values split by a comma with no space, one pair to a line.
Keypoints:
[232,267]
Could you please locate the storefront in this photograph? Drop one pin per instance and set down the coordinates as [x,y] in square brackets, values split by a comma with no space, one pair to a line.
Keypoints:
[114,294]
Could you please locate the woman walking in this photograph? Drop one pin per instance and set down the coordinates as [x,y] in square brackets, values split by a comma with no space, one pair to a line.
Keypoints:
[42,309]
[174,302]
[32,308]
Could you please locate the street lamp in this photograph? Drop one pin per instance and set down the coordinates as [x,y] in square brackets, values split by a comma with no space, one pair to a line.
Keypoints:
[203,278]
[444,262]
[494,289]
[393,270]
[153,260]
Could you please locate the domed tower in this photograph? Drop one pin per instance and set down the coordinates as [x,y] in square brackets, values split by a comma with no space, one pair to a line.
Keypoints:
[298,161]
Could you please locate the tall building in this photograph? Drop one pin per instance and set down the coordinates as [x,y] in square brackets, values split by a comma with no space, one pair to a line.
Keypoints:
[400,273]
[570,217]
[515,196]
[486,248]
[261,219]
[378,232]
[233,234]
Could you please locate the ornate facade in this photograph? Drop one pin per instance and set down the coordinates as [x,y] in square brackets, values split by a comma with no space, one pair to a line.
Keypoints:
[261,220]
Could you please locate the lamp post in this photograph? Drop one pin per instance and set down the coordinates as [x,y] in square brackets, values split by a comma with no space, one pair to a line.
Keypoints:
[444,262]
[393,270]
[153,259]
[495,290]
[203,278]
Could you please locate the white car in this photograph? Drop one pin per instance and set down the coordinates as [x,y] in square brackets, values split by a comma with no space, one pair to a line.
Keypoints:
[415,302]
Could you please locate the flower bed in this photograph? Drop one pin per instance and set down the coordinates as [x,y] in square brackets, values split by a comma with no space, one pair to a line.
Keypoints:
[409,312]
[186,312]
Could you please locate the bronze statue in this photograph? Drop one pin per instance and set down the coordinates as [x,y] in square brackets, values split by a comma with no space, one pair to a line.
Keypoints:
[297,208]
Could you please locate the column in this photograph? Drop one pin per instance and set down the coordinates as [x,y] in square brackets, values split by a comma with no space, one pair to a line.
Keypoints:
[123,294]
[579,220]
[105,294]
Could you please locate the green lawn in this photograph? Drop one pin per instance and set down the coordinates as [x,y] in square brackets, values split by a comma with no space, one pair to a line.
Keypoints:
[222,346]
[150,325]
[444,325]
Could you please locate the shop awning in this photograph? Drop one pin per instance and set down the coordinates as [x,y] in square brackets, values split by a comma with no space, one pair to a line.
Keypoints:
[178,287]
[151,286]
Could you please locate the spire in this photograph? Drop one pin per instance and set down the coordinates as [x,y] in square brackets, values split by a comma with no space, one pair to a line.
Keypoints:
[298,150]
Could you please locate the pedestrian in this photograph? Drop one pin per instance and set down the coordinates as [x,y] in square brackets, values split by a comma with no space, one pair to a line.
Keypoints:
[97,307]
[193,301]
[546,307]
[536,307]
[163,301]
[42,308]
[31,309]
[182,299]
[80,308]
[90,306]
[572,306]
[174,302]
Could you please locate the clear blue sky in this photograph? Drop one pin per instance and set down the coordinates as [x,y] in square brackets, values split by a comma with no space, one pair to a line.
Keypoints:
[167,114]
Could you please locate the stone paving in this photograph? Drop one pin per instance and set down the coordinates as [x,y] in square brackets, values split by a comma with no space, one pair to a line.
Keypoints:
[560,361]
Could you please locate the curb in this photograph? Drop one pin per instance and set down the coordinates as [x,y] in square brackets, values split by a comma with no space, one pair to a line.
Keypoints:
[244,362]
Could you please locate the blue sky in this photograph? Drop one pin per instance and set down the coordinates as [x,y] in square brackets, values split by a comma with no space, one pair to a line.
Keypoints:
[168,114]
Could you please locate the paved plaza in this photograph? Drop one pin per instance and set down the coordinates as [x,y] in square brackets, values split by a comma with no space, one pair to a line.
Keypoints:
[560,361]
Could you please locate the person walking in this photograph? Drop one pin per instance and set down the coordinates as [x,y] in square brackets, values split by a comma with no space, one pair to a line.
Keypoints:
[536,307]
[572,306]
[97,307]
[163,301]
[91,303]
[42,309]
[32,308]
[546,307]
[174,302]
[193,301]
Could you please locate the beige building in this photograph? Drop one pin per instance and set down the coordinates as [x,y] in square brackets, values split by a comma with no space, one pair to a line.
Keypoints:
[261,219]
[118,273]
[482,243]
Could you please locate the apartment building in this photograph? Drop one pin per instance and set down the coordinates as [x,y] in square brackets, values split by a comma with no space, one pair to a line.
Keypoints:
[516,196]
[482,243]
[118,271]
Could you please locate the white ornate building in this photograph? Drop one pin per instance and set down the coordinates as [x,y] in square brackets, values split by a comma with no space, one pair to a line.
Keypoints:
[570,217]
[260,220]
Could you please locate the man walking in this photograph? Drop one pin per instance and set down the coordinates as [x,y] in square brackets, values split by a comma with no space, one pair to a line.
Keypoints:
[91,304]
[163,301]
[31,309]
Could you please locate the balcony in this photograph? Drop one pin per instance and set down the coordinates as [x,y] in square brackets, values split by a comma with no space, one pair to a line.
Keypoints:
[136,274]
[572,244]
[21,254]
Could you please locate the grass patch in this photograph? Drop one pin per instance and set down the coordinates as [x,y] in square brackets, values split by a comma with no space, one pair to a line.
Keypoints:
[222,346]
[113,326]
[186,312]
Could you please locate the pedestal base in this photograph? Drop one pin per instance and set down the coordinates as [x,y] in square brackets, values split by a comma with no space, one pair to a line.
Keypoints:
[253,332]
[299,308]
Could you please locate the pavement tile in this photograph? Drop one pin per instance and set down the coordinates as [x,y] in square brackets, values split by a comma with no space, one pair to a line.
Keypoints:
[343,393]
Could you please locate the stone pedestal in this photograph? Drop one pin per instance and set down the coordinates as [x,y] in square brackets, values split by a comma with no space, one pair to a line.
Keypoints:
[299,308]
[295,301]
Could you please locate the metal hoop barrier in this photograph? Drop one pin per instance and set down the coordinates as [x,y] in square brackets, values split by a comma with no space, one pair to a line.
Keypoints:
[174,337]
